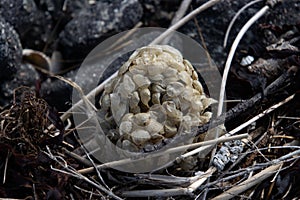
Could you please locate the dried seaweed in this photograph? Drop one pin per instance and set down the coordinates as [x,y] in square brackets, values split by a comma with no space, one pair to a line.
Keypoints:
[23,136]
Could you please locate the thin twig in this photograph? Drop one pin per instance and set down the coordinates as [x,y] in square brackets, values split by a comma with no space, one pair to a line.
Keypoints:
[286,117]
[87,191]
[5,166]
[242,126]
[174,191]
[203,42]
[181,11]
[157,193]
[234,46]
[72,172]
[227,178]
[94,165]
[178,15]
[194,186]
[170,180]
[244,106]
[34,191]
[257,178]
[122,39]
[276,175]
[165,179]
[89,96]
[77,157]
[285,157]
[235,17]
[272,108]
[90,107]
[168,151]
[184,20]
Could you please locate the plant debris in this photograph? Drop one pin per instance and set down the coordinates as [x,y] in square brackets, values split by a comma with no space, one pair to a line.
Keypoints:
[23,137]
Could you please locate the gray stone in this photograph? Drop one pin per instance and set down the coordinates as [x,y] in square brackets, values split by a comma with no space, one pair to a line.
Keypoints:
[97,22]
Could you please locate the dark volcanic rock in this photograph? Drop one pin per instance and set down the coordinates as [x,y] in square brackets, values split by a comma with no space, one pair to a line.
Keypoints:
[21,14]
[10,51]
[58,93]
[214,22]
[32,24]
[159,13]
[284,14]
[95,23]
[26,75]
[56,7]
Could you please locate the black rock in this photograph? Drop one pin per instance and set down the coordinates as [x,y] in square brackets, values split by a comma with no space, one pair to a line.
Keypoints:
[58,93]
[159,13]
[10,51]
[213,24]
[214,21]
[32,25]
[95,23]
[284,14]
[21,14]
[25,75]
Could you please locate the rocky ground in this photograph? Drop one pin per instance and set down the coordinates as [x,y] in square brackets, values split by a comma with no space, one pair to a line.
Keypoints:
[36,33]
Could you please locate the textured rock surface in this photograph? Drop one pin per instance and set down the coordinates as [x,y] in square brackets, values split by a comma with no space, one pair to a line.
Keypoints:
[21,14]
[26,75]
[214,22]
[10,51]
[57,92]
[96,22]
[159,12]
[32,25]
